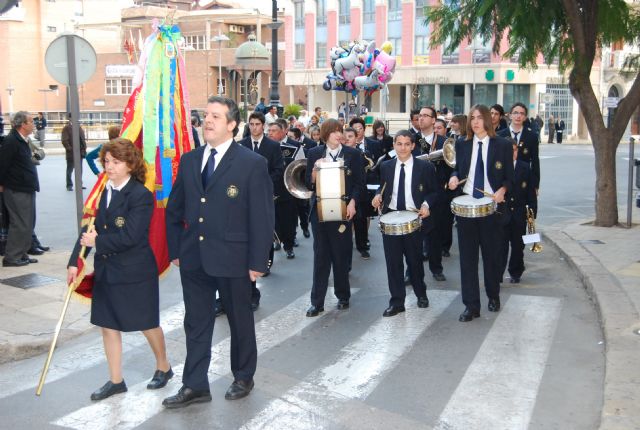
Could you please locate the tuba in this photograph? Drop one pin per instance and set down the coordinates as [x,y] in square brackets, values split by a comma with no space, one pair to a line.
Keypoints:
[447,153]
[294,179]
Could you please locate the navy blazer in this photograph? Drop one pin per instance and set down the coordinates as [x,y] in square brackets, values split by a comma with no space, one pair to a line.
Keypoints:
[386,143]
[123,254]
[499,163]
[528,150]
[424,186]
[308,143]
[417,150]
[354,172]
[227,228]
[523,193]
[270,150]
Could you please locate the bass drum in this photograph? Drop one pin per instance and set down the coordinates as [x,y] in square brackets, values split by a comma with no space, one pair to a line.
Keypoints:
[330,190]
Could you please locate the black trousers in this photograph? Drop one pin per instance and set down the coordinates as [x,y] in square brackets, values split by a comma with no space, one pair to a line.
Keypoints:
[199,292]
[70,172]
[512,238]
[303,212]
[475,234]
[20,210]
[286,221]
[331,249]
[361,226]
[409,246]
[559,136]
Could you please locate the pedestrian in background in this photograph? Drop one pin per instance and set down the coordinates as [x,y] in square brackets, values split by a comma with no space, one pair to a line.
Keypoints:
[559,129]
[19,183]
[551,129]
[68,147]
[112,132]
[125,291]
[41,124]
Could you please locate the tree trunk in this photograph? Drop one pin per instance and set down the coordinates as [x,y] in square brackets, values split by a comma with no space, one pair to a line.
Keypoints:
[606,204]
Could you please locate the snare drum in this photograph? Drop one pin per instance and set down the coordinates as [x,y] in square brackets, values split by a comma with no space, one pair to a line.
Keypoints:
[330,190]
[469,207]
[399,223]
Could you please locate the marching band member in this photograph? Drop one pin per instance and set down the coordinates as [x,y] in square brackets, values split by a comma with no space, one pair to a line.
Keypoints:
[286,209]
[486,163]
[522,195]
[527,140]
[332,241]
[410,184]
[125,293]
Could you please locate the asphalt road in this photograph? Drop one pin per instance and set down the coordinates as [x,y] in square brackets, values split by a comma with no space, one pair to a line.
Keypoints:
[538,363]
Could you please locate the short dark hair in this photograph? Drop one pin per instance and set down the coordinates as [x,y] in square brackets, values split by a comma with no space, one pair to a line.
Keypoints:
[499,108]
[350,130]
[233,114]
[283,123]
[413,113]
[434,113]
[519,104]
[259,116]
[442,121]
[404,133]
[296,132]
[357,120]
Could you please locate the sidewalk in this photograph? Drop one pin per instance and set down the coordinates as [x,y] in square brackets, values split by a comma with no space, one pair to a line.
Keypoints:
[606,259]
[608,262]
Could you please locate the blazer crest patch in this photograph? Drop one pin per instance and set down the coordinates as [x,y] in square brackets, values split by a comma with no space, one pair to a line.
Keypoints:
[348,172]
[342,228]
[498,164]
[524,184]
[232,192]
[525,151]
[421,187]
[119,222]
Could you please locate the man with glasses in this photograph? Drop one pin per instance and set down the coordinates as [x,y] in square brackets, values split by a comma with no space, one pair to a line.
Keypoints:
[527,141]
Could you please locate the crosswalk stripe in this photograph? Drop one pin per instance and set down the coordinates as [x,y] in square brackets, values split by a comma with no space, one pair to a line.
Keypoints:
[25,375]
[359,368]
[499,388]
[139,404]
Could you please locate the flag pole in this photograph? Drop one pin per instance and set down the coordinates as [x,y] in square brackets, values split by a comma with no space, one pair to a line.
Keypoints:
[70,289]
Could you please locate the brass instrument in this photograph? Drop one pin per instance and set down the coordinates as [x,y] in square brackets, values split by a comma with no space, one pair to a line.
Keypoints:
[447,153]
[531,229]
[369,165]
[294,179]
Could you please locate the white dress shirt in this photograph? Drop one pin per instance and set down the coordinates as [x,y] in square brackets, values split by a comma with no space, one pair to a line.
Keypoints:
[221,150]
[255,140]
[519,134]
[333,152]
[111,187]
[469,186]
[408,197]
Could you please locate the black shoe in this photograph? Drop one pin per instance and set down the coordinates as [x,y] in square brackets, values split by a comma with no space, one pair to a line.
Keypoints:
[407,280]
[238,390]
[69,188]
[30,260]
[446,254]
[35,251]
[468,315]
[295,243]
[423,302]
[290,254]
[305,233]
[255,304]
[160,379]
[514,280]
[185,397]
[108,390]
[393,310]
[277,246]
[219,308]
[365,254]
[343,304]
[313,311]
[15,263]
[44,248]
[439,277]
[494,305]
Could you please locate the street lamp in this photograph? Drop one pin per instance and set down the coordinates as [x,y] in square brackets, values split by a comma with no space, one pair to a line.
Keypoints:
[220,38]
[274,25]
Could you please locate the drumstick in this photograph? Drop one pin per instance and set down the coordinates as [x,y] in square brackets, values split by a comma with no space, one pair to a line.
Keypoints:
[486,194]
[381,194]
[459,183]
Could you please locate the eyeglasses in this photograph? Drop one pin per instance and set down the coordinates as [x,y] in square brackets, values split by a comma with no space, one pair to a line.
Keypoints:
[423,115]
[517,113]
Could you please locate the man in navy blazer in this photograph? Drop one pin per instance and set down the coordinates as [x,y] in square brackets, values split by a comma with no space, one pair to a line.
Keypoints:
[220,221]
[485,162]
[259,143]
[393,196]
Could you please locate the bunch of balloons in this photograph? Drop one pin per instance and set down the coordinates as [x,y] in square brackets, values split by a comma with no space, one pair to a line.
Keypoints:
[360,68]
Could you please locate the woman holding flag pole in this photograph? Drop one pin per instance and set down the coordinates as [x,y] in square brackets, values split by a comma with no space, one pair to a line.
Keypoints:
[125,291]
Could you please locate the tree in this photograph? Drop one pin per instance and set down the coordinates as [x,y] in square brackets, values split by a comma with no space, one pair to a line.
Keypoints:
[572,31]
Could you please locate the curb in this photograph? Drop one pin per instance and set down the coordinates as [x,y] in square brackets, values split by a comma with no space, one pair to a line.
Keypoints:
[618,319]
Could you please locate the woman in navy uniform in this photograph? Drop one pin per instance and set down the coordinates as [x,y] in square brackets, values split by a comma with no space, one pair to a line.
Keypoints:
[332,240]
[125,291]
